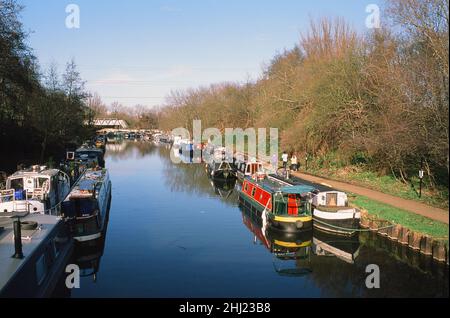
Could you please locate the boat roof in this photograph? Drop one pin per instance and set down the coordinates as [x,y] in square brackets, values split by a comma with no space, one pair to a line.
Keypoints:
[275,185]
[87,182]
[31,173]
[31,239]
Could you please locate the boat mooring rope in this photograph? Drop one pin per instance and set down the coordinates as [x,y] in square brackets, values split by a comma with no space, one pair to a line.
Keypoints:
[354,230]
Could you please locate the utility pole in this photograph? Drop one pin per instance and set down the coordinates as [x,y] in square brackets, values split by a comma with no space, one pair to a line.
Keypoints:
[306,162]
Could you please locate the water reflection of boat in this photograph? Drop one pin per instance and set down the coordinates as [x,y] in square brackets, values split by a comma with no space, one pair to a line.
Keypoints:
[285,247]
[88,257]
[344,248]
[223,187]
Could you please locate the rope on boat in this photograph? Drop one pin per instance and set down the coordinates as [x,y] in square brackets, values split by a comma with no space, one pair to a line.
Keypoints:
[354,230]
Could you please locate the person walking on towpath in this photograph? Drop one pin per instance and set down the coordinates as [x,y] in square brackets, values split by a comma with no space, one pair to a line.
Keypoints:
[284,158]
[294,162]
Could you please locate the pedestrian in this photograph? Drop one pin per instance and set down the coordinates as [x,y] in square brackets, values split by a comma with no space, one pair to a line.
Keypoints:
[294,162]
[284,158]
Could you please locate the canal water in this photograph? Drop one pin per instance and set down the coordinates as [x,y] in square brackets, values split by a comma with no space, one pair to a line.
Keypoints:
[174,233]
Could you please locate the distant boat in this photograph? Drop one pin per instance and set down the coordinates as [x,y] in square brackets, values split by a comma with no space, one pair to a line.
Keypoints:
[87,205]
[90,156]
[247,167]
[34,190]
[219,164]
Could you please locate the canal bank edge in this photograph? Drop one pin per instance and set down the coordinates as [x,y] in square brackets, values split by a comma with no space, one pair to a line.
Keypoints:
[435,248]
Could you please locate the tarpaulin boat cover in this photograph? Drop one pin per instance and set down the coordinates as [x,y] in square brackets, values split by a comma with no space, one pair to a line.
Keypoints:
[297,189]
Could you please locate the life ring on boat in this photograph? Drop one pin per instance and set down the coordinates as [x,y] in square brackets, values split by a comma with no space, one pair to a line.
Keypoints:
[28,225]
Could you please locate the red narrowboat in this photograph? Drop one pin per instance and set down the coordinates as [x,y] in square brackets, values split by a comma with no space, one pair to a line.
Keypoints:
[284,206]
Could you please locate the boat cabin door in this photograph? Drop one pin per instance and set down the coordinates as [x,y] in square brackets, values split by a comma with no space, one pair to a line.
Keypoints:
[28,184]
[331,199]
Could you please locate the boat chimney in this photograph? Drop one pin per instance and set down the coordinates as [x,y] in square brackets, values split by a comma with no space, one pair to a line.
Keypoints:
[17,240]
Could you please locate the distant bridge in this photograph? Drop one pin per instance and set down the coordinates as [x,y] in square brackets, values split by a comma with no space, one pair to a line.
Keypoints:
[110,122]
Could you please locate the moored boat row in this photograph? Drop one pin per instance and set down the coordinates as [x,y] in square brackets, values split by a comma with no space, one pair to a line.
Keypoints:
[291,206]
[287,204]
[43,212]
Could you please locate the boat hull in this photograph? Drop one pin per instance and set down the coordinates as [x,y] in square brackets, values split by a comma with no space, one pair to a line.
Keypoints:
[96,234]
[221,174]
[342,223]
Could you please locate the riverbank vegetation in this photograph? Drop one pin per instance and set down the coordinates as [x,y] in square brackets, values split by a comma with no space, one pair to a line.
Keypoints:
[412,221]
[377,100]
[41,111]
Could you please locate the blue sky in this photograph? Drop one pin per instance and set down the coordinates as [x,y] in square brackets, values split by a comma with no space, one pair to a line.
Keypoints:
[137,51]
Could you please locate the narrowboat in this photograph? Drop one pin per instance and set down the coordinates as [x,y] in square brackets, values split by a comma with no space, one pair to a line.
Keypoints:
[34,190]
[332,213]
[285,207]
[34,252]
[246,167]
[100,142]
[90,156]
[330,209]
[219,165]
[86,207]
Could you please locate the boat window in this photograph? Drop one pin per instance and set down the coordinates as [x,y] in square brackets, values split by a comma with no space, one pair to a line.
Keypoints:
[253,191]
[248,169]
[280,204]
[290,204]
[17,184]
[84,206]
[87,227]
[40,182]
[246,187]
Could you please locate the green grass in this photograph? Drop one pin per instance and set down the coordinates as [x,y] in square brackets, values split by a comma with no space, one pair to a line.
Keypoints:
[407,219]
[387,184]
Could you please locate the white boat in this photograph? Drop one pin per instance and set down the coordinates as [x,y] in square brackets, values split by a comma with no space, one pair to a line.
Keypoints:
[248,167]
[177,141]
[34,190]
[87,205]
[332,213]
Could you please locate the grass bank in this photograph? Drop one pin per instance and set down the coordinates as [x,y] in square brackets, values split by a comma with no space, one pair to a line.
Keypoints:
[414,222]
